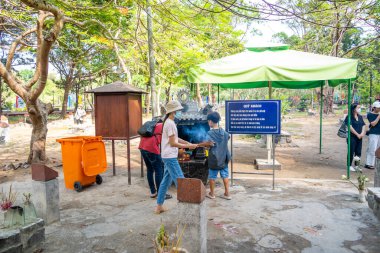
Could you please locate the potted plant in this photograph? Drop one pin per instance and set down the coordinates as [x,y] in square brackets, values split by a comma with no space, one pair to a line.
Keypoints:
[12,214]
[362,180]
[29,209]
[164,244]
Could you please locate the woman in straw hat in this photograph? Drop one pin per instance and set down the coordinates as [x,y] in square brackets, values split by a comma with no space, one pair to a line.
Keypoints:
[169,152]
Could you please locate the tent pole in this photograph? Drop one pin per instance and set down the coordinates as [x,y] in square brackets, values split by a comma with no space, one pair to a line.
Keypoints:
[320,121]
[232,159]
[349,128]
[232,148]
[274,161]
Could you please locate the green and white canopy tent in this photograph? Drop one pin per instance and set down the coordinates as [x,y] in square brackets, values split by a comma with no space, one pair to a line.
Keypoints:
[276,66]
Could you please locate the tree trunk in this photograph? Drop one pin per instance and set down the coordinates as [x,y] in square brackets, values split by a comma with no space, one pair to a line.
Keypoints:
[159,99]
[210,94]
[199,97]
[328,99]
[121,60]
[38,113]
[76,97]
[167,93]
[90,102]
[1,96]
[86,97]
[147,102]
[152,80]
[68,87]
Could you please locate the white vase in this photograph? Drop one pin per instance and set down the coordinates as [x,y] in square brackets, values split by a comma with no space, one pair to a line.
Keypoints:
[2,217]
[361,196]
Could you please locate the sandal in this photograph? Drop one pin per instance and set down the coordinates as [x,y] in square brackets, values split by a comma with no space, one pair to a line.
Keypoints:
[162,210]
[226,197]
[369,167]
[208,195]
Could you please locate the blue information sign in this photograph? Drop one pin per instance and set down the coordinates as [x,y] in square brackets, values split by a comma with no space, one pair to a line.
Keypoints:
[253,117]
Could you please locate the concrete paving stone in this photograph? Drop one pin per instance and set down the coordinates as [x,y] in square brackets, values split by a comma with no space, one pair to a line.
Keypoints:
[306,216]
[270,241]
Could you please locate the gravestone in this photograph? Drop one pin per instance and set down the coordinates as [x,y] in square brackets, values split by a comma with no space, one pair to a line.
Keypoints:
[192,215]
[26,239]
[377,168]
[373,196]
[45,193]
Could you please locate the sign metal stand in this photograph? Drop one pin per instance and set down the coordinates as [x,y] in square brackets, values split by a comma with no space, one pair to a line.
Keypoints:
[242,119]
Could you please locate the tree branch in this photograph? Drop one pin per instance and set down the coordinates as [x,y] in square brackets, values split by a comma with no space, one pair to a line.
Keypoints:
[362,45]
[44,43]
[11,81]
[40,26]
[13,47]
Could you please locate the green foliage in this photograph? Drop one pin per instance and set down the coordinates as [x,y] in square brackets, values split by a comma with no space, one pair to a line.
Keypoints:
[362,180]
[336,28]
[302,107]
[25,74]
[162,237]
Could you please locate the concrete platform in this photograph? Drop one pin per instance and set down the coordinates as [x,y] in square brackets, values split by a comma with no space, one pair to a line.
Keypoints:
[262,164]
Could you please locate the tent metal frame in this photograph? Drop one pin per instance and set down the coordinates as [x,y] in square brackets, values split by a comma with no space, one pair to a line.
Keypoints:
[349,87]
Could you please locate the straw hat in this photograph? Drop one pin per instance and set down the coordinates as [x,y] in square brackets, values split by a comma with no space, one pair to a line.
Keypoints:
[173,106]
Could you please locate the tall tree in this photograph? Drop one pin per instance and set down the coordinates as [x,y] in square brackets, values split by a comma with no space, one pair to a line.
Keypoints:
[31,90]
[37,24]
[152,78]
[330,28]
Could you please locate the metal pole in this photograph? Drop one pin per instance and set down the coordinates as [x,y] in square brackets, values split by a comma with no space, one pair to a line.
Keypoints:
[349,128]
[113,158]
[142,166]
[129,160]
[232,160]
[274,161]
[320,120]
[269,141]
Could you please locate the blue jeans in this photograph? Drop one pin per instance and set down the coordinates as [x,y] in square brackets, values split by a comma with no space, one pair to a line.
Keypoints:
[172,171]
[154,166]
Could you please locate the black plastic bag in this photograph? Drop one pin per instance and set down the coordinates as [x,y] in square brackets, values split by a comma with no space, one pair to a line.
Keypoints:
[342,132]
[147,129]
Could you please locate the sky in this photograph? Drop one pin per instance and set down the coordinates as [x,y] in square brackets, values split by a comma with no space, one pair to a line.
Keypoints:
[267,30]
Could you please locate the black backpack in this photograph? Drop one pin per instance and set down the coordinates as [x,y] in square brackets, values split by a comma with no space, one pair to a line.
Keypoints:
[147,129]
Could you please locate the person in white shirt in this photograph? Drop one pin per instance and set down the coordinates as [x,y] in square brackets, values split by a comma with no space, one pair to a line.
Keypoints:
[4,130]
[79,115]
[169,152]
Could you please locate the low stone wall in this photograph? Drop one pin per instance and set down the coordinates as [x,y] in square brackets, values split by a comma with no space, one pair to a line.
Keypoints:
[377,172]
[373,198]
[26,239]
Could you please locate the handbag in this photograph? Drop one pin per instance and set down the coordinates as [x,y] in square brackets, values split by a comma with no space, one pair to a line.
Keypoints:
[342,132]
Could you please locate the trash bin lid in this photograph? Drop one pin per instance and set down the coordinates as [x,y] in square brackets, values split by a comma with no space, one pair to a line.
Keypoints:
[94,158]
